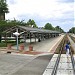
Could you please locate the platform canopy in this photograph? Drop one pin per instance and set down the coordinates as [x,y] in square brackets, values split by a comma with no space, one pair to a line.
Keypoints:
[30,29]
[38,30]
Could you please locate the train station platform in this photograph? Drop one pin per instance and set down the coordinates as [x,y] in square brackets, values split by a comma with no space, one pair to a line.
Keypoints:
[46,46]
[43,46]
[37,64]
[64,66]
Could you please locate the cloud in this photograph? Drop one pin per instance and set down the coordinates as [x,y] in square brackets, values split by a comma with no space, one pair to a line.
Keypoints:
[11,2]
[66,1]
[43,11]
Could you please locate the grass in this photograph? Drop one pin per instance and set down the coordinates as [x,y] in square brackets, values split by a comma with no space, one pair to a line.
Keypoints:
[2,44]
[5,43]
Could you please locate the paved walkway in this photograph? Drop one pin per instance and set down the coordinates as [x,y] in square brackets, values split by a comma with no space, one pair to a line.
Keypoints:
[10,63]
[48,45]
[36,67]
[44,46]
[23,64]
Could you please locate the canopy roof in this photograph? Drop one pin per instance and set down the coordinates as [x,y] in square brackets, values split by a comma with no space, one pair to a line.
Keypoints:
[30,29]
[37,30]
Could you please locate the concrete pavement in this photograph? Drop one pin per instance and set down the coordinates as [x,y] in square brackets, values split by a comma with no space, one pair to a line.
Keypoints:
[43,46]
[23,65]
[36,67]
[10,63]
[64,67]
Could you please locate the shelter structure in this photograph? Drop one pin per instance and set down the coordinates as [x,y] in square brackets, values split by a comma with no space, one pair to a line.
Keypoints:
[29,32]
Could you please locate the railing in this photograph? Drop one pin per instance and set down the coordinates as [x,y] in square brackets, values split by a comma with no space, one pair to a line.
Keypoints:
[54,72]
[72,38]
[72,59]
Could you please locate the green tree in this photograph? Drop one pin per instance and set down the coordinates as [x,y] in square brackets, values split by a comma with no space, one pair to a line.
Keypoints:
[49,26]
[58,28]
[2,26]
[72,30]
[32,22]
[3,9]
[16,22]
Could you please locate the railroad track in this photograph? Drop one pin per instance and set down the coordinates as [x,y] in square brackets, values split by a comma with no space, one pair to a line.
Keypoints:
[56,69]
[71,53]
[73,38]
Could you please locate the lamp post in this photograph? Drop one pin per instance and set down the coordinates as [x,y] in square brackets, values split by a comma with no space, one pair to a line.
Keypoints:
[16,34]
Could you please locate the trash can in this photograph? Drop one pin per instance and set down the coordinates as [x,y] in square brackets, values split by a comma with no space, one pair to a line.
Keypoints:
[30,48]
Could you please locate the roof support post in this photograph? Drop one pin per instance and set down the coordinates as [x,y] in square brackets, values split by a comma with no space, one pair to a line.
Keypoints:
[51,35]
[5,38]
[57,34]
[35,37]
[11,34]
[48,35]
[42,36]
[30,37]
[24,39]
[39,37]
[54,35]
[45,36]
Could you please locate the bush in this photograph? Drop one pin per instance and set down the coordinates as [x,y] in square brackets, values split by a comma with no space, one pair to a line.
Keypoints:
[2,44]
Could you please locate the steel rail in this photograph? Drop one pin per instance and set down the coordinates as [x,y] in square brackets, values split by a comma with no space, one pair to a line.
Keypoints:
[73,64]
[57,62]
[72,58]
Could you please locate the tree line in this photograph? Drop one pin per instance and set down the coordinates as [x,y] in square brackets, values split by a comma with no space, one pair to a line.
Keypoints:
[72,30]
[5,24]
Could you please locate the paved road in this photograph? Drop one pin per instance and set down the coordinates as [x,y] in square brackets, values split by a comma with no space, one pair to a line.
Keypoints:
[11,63]
[23,65]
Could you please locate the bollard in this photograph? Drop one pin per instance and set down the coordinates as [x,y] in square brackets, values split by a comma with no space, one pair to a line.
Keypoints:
[9,46]
[30,48]
[22,47]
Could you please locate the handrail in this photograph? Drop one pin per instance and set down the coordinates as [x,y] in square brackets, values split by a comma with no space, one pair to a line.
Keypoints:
[57,61]
[72,59]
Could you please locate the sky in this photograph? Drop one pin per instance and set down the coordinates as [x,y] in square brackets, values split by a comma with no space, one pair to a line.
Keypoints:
[57,12]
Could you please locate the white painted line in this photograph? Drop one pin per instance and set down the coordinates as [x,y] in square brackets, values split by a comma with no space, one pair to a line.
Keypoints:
[55,43]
